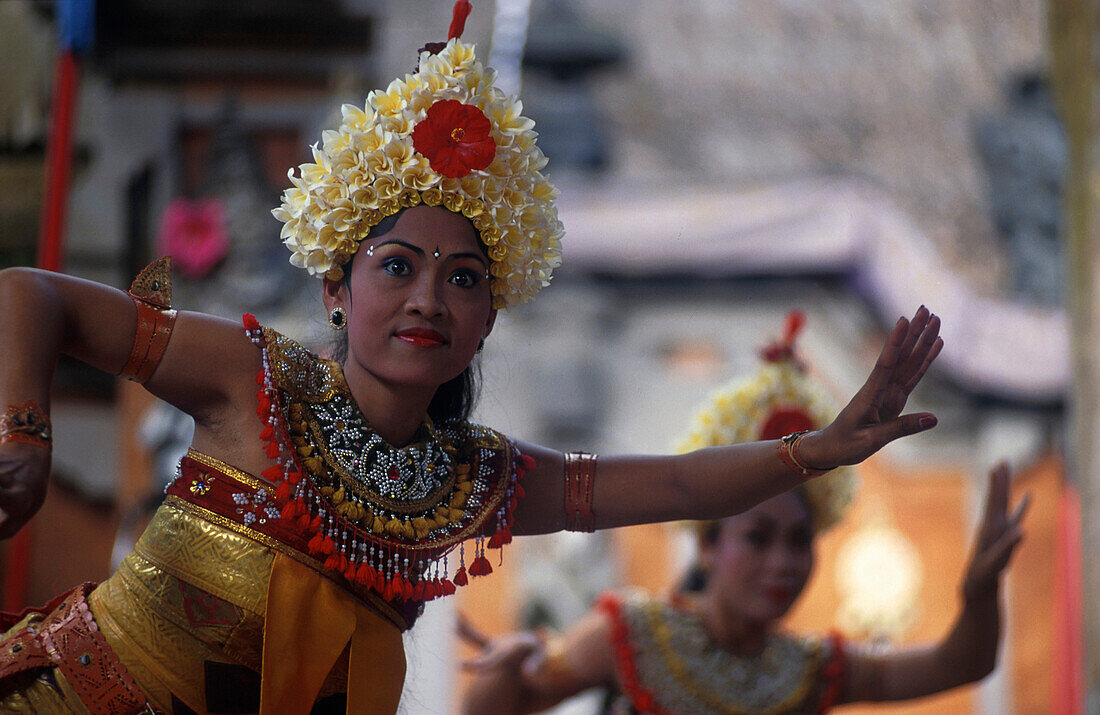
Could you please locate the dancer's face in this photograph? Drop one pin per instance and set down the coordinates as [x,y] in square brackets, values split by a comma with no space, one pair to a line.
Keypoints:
[762,559]
[417,300]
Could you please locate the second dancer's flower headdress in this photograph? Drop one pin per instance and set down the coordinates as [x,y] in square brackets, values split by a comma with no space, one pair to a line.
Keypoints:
[780,398]
[442,136]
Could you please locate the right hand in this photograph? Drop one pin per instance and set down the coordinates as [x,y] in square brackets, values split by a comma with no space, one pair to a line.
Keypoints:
[873,417]
[24,474]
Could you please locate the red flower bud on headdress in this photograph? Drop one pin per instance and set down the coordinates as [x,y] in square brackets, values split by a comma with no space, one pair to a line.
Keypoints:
[455,138]
[784,349]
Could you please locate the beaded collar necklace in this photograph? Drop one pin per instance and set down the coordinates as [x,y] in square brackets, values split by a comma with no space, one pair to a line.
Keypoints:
[382,516]
[368,467]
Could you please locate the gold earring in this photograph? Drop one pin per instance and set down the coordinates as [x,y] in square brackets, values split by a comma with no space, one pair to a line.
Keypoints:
[338,319]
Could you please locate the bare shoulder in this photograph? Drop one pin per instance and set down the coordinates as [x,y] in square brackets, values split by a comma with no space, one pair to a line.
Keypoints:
[208,369]
[542,510]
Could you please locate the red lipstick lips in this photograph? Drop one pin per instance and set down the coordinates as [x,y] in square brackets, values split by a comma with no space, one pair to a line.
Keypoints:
[778,594]
[421,337]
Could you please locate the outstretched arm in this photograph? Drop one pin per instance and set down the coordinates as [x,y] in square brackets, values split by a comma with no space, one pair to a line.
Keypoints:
[43,315]
[969,652]
[720,481]
[527,672]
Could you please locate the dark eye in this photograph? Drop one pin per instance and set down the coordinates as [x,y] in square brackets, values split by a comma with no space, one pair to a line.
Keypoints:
[465,278]
[802,538]
[758,538]
[397,266]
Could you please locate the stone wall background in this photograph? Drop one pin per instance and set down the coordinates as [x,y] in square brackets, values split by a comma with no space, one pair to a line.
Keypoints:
[761,90]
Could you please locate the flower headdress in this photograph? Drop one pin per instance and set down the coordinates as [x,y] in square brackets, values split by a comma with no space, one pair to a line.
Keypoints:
[442,136]
[779,399]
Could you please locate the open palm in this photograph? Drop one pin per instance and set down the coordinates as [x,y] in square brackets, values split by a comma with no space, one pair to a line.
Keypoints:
[873,418]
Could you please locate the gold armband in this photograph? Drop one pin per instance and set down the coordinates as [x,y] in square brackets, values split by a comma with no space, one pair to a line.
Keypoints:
[580,473]
[27,423]
[151,292]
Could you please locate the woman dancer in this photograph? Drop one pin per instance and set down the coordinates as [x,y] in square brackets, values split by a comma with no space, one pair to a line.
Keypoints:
[718,647]
[323,502]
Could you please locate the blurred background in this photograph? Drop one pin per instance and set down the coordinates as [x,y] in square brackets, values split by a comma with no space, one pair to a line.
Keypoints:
[720,163]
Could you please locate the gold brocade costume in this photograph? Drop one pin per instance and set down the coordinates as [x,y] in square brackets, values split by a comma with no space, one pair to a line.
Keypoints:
[286,594]
[185,613]
[189,592]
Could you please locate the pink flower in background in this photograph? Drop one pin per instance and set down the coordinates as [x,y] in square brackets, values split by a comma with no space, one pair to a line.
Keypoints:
[193,234]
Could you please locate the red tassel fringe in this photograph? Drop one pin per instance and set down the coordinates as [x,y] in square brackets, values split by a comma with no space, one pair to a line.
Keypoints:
[481,567]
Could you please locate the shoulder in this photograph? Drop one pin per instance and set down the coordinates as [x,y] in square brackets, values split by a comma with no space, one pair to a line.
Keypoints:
[294,368]
[631,598]
[814,651]
[630,610]
[493,453]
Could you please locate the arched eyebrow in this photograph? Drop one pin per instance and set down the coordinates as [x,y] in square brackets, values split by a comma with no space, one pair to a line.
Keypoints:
[404,244]
[420,252]
[476,256]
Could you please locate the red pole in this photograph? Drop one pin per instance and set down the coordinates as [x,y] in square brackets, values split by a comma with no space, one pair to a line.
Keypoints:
[1068,648]
[59,154]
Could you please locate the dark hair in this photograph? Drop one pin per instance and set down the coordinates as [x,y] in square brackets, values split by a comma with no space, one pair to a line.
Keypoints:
[454,400]
[707,533]
[694,579]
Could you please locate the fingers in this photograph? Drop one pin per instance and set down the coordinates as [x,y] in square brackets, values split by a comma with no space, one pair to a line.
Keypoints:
[1000,551]
[909,350]
[903,426]
[916,329]
[468,632]
[917,357]
[508,650]
[932,355]
[887,360]
[996,500]
[1021,509]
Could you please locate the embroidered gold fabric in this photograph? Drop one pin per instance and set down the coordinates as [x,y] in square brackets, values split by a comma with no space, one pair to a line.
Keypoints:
[677,662]
[188,593]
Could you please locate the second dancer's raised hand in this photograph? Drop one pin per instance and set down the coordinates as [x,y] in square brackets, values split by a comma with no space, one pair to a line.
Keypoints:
[998,536]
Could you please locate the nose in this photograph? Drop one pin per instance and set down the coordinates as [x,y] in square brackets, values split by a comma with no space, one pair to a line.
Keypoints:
[425,299]
[785,561]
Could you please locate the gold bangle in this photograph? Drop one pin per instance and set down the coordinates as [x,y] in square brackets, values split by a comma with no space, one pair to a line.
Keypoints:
[788,454]
[27,423]
[580,475]
[556,667]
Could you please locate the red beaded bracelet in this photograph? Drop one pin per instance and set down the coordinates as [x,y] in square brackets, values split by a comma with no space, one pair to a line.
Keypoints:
[26,423]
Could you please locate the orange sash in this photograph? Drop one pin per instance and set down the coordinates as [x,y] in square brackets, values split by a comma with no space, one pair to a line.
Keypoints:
[309,622]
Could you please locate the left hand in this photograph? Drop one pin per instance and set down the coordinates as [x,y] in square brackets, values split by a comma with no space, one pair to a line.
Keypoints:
[998,536]
[507,652]
[24,474]
[873,417]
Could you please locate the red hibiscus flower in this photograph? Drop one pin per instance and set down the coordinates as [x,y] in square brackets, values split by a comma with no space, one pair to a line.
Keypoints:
[455,138]
[784,421]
